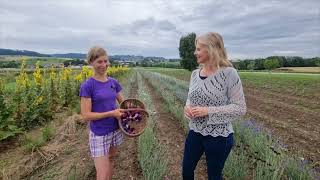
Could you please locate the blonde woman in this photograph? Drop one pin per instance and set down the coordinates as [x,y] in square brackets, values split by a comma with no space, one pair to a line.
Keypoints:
[98,106]
[215,99]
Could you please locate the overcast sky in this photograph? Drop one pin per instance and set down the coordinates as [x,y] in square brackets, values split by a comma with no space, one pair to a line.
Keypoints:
[154,27]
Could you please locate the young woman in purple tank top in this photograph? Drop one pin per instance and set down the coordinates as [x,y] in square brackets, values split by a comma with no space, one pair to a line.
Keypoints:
[99,96]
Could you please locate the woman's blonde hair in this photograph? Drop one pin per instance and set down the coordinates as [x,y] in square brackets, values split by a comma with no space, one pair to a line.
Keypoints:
[94,53]
[215,46]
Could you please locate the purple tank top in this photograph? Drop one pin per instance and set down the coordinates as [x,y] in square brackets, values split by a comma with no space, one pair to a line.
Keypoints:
[103,97]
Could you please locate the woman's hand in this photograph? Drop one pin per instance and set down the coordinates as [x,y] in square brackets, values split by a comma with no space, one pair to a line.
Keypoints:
[117,113]
[187,112]
[199,111]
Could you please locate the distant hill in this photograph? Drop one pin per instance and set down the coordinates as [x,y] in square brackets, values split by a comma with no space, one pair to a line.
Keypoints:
[112,57]
[126,58]
[21,53]
[70,55]
[79,55]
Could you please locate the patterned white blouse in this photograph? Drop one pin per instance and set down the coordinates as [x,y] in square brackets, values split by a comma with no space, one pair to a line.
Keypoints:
[222,92]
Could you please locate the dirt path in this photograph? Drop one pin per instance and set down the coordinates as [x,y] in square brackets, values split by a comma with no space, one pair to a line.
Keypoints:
[297,127]
[171,136]
[127,165]
[298,101]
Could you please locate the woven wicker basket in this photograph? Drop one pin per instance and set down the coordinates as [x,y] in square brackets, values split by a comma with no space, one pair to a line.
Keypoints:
[131,126]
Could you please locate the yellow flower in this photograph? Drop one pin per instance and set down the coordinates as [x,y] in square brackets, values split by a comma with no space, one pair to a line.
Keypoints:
[78,77]
[38,100]
[113,71]
[37,75]
[66,73]
[22,81]
[86,72]
[1,86]
[53,73]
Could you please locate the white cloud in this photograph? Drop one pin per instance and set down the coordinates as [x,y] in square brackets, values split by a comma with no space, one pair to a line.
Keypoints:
[154,28]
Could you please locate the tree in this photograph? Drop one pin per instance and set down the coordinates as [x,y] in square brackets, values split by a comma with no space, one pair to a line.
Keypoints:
[295,61]
[236,64]
[317,62]
[271,63]
[186,50]
[251,65]
[243,65]
[146,63]
[258,65]
[9,64]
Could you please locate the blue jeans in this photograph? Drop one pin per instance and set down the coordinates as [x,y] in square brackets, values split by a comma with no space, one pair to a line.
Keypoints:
[216,149]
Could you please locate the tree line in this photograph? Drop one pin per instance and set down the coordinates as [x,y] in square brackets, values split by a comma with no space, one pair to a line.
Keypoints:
[9,64]
[273,62]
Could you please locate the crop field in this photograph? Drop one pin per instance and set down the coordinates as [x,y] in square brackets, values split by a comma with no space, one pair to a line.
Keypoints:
[300,69]
[277,139]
